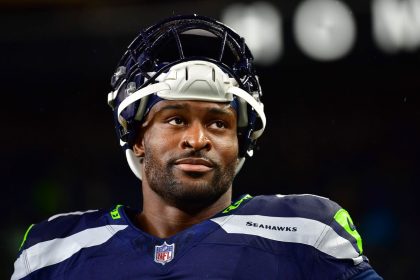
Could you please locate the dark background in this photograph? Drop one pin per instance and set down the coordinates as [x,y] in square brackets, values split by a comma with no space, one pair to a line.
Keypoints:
[347,129]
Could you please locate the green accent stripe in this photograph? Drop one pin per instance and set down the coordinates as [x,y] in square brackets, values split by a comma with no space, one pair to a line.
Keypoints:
[342,217]
[236,204]
[115,214]
[25,236]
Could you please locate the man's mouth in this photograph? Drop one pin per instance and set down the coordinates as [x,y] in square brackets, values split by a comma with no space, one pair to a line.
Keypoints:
[192,164]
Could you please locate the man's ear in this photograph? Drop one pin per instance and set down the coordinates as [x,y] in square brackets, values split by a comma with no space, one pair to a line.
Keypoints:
[138,147]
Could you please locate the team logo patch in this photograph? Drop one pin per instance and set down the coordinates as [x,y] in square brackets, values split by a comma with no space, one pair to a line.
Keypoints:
[164,253]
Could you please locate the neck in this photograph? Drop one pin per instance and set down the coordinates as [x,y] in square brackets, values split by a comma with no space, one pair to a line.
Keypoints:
[162,219]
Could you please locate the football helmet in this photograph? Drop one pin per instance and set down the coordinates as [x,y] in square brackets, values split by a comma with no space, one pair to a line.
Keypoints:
[186,58]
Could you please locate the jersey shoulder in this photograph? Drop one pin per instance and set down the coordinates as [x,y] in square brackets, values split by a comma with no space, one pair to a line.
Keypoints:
[307,212]
[62,225]
[307,206]
[63,235]
[310,228]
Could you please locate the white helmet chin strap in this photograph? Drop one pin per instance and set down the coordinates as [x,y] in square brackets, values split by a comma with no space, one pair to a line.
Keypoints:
[192,80]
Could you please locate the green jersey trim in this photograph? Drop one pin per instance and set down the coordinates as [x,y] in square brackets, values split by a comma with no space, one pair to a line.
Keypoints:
[236,204]
[342,217]
[25,236]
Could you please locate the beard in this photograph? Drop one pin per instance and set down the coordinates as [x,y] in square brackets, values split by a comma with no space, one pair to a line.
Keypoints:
[192,191]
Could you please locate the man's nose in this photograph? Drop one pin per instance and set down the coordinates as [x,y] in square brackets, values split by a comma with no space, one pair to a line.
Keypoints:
[195,138]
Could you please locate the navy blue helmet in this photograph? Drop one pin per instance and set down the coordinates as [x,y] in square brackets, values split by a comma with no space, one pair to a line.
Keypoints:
[186,58]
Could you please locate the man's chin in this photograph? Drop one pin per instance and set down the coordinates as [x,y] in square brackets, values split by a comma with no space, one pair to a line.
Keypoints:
[193,199]
[196,189]
[194,183]
[189,190]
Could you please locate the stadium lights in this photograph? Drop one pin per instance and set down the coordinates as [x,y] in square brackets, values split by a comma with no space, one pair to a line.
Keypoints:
[261,25]
[324,30]
[396,24]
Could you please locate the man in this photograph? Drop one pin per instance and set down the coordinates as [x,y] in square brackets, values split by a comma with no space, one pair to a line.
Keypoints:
[187,108]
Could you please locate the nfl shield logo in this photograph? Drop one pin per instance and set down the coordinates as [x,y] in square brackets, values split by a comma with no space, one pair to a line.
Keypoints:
[164,253]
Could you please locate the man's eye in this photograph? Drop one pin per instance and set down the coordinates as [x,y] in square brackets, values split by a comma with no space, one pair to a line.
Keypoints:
[218,124]
[176,121]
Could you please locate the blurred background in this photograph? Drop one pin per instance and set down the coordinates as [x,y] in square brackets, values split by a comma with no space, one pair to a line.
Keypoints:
[341,88]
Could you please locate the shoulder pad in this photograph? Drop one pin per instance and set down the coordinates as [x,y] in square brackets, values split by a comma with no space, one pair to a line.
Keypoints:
[61,225]
[316,208]
[60,237]
[303,205]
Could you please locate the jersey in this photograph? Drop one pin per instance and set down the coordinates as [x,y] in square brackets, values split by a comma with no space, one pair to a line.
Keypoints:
[262,237]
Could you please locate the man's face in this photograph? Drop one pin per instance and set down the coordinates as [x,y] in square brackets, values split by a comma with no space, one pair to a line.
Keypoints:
[190,150]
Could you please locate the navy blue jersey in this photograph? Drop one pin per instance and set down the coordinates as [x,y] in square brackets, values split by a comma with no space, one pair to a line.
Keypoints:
[265,237]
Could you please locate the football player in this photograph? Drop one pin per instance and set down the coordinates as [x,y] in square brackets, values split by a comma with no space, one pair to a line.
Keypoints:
[188,112]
